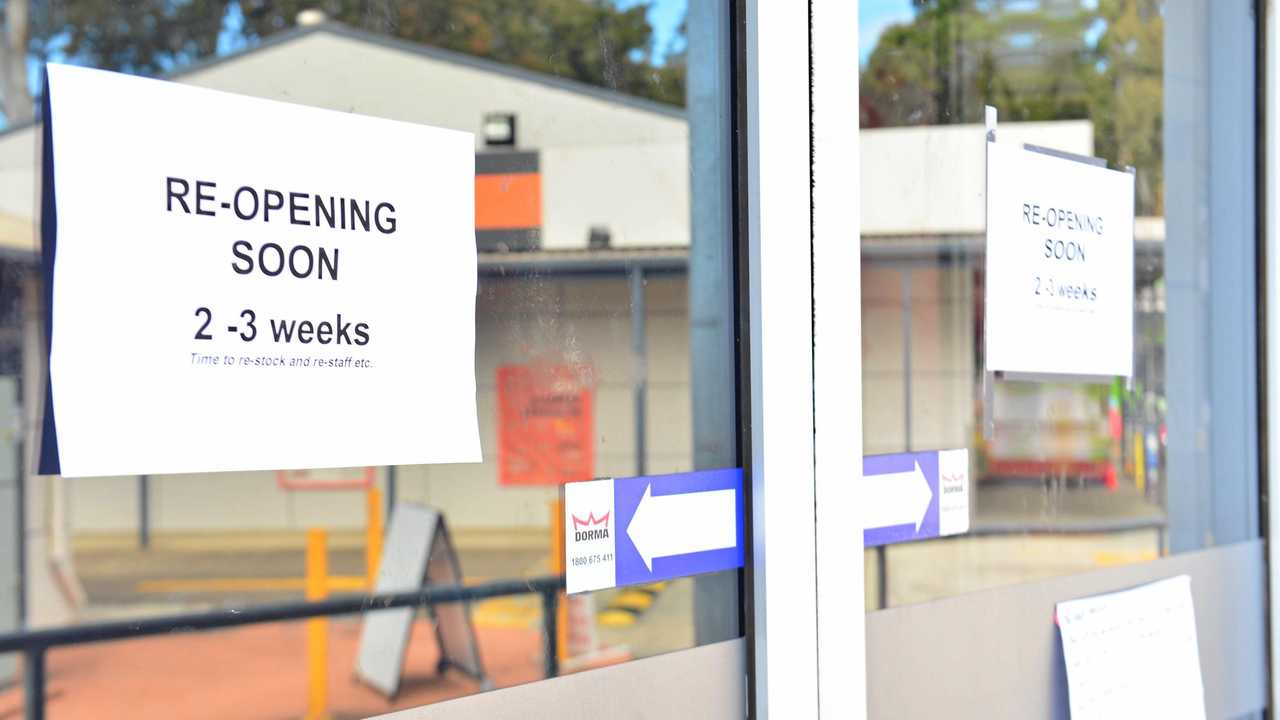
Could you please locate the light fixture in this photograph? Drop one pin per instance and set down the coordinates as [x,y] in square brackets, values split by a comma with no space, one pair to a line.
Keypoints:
[499,129]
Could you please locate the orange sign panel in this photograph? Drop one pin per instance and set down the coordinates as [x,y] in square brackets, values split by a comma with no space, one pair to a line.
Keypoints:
[545,425]
[505,202]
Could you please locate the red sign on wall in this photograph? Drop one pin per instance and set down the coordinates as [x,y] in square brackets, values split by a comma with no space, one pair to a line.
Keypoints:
[545,425]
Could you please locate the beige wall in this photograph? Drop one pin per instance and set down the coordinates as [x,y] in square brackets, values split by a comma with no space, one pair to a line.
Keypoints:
[588,318]
[942,365]
[640,191]
[931,179]
[579,320]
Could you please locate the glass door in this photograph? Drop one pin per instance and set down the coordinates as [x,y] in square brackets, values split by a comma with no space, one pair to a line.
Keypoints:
[1076,485]
[621,329]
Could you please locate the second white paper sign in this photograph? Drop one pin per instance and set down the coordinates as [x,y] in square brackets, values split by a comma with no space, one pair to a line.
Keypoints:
[1059,265]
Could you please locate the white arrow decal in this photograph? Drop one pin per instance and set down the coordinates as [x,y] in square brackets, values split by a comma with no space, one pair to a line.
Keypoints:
[897,499]
[666,525]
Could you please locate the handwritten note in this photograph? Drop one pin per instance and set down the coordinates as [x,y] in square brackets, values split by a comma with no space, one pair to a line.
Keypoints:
[1133,653]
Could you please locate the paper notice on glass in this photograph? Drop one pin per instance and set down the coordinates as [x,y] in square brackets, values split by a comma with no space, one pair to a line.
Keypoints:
[244,284]
[1133,653]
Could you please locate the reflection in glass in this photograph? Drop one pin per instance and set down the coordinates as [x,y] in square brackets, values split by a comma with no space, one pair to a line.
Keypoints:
[585,160]
[1068,476]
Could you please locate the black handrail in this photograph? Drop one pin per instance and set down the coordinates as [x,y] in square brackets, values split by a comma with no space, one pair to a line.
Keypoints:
[33,644]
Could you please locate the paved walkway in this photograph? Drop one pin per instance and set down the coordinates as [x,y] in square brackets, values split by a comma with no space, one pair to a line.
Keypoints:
[129,576]
[256,673]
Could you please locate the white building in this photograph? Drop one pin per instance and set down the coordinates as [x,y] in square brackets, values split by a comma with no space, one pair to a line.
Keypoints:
[605,160]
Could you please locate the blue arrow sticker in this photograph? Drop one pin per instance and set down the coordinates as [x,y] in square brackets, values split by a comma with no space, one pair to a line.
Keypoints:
[914,496]
[644,529]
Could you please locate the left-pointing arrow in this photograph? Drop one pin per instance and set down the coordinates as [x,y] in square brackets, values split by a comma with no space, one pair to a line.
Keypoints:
[666,525]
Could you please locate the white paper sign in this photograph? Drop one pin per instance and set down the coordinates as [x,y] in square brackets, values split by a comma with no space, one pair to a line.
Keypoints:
[1133,654]
[1059,277]
[243,284]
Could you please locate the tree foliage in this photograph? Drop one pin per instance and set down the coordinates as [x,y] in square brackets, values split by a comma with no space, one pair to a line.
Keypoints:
[958,55]
[592,41]
[1047,60]
[1128,97]
[15,27]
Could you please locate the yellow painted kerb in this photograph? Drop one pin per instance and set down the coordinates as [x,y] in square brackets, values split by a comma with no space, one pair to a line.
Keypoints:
[17,233]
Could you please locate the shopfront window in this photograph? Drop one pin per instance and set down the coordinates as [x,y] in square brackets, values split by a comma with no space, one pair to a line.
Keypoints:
[1067,474]
[602,177]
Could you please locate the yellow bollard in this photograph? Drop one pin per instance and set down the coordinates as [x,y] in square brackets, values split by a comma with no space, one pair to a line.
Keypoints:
[557,567]
[318,627]
[1139,461]
[373,530]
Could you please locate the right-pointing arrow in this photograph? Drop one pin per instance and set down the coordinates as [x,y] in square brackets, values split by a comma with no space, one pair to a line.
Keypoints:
[666,525]
[896,498]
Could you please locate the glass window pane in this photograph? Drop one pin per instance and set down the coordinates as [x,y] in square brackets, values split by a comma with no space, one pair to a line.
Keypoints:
[1066,475]
[603,198]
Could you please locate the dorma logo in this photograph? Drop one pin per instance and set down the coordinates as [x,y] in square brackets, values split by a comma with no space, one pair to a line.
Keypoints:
[953,483]
[593,528]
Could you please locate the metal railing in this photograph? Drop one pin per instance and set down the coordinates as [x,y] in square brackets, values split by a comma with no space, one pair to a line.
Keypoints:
[34,644]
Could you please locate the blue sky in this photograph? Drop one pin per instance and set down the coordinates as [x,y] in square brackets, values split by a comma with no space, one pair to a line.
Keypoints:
[665,17]
[874,16]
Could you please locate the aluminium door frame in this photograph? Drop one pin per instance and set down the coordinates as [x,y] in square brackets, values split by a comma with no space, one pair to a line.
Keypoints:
[1269,322]
[798,280]
[806,575]
[782,573]
[1001,643]
[837,299]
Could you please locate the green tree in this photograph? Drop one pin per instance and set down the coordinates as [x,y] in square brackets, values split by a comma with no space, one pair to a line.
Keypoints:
[1047,60]
[956,56]
[592,41]
[15,28]
[1128,98]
